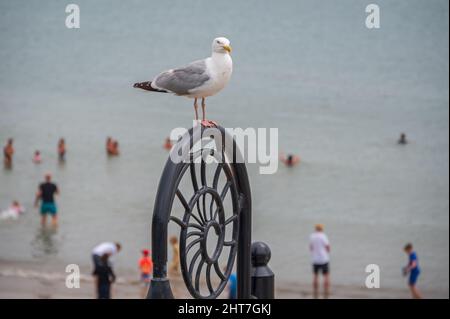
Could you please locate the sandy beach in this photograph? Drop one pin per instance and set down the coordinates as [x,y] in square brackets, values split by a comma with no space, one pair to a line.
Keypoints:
[22,280]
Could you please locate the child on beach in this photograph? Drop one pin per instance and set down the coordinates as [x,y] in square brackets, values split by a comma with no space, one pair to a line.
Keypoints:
[413,270]
[232,282]
[146,268]
[175,264]
[104,277]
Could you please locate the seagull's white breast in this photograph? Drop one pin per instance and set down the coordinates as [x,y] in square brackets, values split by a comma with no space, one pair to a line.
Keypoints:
[219,68]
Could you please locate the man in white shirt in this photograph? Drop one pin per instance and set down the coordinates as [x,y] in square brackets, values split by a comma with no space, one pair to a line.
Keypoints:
[320,254]
[100,257]
[106,248]
[102,249]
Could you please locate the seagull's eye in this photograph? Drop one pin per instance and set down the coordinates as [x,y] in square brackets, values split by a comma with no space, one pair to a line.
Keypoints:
[218,42]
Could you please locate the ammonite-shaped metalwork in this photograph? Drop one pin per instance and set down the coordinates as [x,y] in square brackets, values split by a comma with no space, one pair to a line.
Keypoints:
[205,217]
[208,196]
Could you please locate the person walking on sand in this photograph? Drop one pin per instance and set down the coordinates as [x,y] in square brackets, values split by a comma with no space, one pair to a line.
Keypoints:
[175,264]
[319,247]
[146,268]
[99,253]
[46,193]
[8,152]
[413,270]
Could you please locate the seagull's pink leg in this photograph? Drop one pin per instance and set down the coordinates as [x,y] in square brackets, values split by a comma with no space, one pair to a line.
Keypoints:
[203,109]
[196,109]
[205,122]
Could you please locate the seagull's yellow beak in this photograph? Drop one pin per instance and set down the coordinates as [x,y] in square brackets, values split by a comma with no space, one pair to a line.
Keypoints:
[227,48]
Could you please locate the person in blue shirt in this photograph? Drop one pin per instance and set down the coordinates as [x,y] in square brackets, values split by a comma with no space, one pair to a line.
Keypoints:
[413,270]
[233,286]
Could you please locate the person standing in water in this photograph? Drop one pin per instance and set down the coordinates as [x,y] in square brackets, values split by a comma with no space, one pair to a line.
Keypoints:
[61,150]
[413,270]
[8,152]
[112,147]
[46,194]
[115,148]
[319,247]
[402,140]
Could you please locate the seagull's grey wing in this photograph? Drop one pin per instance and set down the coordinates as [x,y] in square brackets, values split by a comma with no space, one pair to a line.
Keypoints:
[180,81]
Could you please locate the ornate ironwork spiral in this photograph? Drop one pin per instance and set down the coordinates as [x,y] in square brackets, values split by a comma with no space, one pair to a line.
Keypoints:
[205,217]
[211,202]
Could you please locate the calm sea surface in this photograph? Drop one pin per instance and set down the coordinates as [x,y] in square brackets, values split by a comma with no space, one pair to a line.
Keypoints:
[339,93]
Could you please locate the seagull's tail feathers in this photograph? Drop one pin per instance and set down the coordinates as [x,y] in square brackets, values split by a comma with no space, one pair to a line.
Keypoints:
[148,87]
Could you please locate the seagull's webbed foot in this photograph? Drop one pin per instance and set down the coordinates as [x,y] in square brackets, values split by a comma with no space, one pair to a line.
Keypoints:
[209,123]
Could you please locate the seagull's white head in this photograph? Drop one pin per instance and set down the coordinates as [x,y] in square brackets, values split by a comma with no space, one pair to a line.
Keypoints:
[221,45]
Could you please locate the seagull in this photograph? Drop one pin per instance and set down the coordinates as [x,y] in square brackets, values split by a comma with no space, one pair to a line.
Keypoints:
[198,80]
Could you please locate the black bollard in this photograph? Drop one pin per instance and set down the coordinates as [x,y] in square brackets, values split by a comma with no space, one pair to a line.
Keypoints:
[263,279]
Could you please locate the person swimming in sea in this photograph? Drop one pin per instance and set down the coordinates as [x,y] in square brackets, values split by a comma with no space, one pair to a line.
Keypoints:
[109,142]
[13,212]
[37,158]
[115,148]
[289,160]
[112,146]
